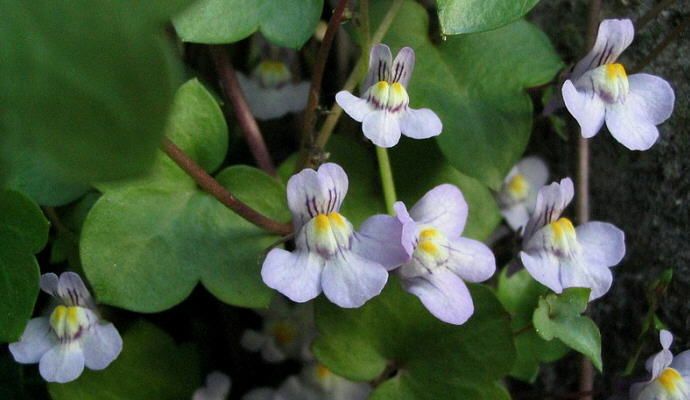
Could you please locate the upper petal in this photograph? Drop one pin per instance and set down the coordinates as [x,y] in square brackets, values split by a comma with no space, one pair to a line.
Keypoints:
[586,107]
[551,201]
[72,291]
[614,36]
[36,340]
[101,345]
[655,96]
[350,280]
[354,106]
[380,61]
[313,192]
[403,65]
[443,207]
[471,259]
[297,275]
[630,124]
[444,294]
[380,239]
[382,128]
[420,124]
[49,283]
[410,230]
[602,243]
[535,171]
[544,268]
[62,363]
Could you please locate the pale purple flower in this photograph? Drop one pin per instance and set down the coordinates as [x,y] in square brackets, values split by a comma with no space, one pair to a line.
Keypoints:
[328,254]
[217,387]
[559,256]
[439,259]
[270,91]
[670,377]
[384,108]
[518,193]
[600,90]
[72,337]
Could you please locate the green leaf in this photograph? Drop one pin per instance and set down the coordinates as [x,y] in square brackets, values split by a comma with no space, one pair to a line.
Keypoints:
[468,16]
[151,366]
[476,84]
[415,175]
[287,23]
[558,316]
[395,330]
[87,86]
[23,232]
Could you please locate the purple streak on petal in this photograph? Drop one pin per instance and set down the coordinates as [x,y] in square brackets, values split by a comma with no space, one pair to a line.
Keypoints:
[350,280]
[551,201]
[382,128]
[420,124]
[316,192]
[379,239]
[444,294]
[586,107]
[614,36]
[403,65]
[444,208]
[471,260]
[380,61]
[297,275]
[72,291]
[602,243]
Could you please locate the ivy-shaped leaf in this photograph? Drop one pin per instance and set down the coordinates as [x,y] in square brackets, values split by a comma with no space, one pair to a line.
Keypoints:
[559,316]
[394,332]
[147,242]
[23,232]
[468,16]
[287,23]
[476,84]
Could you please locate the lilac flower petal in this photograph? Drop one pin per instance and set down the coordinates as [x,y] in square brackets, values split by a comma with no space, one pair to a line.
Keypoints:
[72,291]
[681,363]
[272,353]
[444,294]
[265,103]
[551,201]
[350,280]
[253,340]
[62,363]
[380,239]
[629,124]
[516,216]
[354,106]
[382,128]
[261,394]
[444,208]
[656,94]
[659,362]
[544,268]
[217,387]
[666,339]
[471,259]
[36,340]
[403,65]
[614,36]
[101,345]
[420,124]
[296,96]
[586,107]
[535,171]
[49,283]
[316,192]
[602,243]
[297,275]
[410,229]
[380,61]
[580,273]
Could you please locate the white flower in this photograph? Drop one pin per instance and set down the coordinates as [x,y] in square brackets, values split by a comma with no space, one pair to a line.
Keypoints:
[670,376]
[600,90]
[72,337]
[518,194]
[384,108]
[217,387]
[270,91]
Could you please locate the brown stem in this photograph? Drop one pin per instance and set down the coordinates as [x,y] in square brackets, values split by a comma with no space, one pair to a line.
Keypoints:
[651,14]
[233,92]
[675,33]
[308,136]
[210,185]
[385,375]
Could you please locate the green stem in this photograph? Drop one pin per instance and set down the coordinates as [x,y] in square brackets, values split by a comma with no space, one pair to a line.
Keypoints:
[386,178]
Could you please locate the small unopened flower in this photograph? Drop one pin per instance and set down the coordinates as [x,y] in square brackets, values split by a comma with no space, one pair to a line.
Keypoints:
[670,378]
[560,256]
[217,387]
[287,332]
[72,337]
[384,108]
[519,191]
[328,255]
[271,93]
[599,90]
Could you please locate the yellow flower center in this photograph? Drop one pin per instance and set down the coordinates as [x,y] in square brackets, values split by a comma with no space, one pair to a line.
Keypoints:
[518,187]
[670,379]
[564,238]
[322,372]
[610,82]
[273,74]
[68,322]
[389,96]
[328,232]
[615,71]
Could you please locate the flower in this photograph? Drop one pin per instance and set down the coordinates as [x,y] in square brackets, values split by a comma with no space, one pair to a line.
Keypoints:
[217,387]
[670,376]
[559,256]
[439,260]
[287,332]
[519,191]
[270,92]
[600,90]
[384,108]
[72,337]
[328,255]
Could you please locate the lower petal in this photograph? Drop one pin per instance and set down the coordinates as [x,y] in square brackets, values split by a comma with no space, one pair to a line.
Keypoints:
[471,260]
[354,106]
[350,280]
[602,243]
[62,363]
[580,273]
[420,124]
[37,339]
[382,128]
[101,346]
[586,107]
[544,268]
[656,95]
[516,216]
[297,275]
[629,123]
[444,294]
[681,363]
[296,96]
